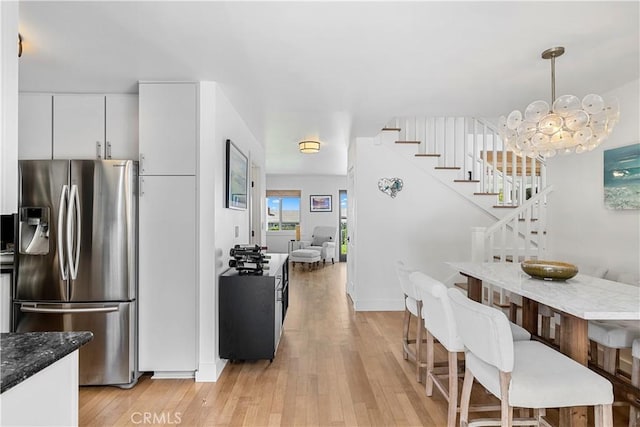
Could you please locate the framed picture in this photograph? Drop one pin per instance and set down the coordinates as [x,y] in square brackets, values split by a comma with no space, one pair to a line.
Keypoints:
[237,177]
[320,203]
[622,177]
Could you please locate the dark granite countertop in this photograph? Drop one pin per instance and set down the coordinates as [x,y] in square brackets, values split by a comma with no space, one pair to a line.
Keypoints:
[25,354]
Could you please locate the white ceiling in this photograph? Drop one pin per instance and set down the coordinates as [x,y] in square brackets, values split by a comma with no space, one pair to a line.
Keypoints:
[333,70]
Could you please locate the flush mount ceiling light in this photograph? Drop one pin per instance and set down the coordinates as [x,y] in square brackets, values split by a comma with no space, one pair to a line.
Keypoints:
[569,125]
[309,147]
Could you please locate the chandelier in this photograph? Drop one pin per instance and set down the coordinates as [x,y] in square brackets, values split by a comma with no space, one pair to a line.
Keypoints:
[569,125]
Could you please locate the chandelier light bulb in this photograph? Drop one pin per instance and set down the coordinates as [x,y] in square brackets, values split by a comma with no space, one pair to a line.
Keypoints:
[569,125]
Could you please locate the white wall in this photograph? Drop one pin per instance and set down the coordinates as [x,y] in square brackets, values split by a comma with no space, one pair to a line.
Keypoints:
[219,122]
[8,106]
[425,225]
[277,241]
[581,229]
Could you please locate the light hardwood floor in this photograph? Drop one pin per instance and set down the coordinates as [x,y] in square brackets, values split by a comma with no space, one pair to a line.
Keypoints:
[334,367]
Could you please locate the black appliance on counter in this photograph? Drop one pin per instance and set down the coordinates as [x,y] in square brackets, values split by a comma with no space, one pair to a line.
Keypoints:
[7,232]
[248,259]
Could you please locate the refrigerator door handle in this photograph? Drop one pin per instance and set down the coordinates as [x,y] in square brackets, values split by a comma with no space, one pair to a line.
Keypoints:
[64,195]
[74,208]
[33,309]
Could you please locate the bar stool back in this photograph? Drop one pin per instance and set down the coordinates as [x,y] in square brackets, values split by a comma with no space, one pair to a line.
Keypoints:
[524,374]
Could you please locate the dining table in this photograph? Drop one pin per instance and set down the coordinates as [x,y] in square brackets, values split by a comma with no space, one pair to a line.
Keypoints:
[577,300]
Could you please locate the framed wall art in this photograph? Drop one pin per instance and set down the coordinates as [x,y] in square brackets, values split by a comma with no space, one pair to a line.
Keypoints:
[622,177]
[320,203]
[237,177]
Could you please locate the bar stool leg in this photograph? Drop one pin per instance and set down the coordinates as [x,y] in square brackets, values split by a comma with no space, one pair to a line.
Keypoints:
[405,332]
[430,364]
[453,389]
[420,326]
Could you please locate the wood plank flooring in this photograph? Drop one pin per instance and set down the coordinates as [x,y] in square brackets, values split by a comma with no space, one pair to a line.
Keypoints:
[334,367]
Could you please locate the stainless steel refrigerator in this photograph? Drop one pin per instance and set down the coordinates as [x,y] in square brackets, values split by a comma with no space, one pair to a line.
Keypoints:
[76,260]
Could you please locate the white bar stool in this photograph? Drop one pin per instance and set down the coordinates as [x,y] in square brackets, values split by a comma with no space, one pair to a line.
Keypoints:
[440,324]
[524,374]
[412,307]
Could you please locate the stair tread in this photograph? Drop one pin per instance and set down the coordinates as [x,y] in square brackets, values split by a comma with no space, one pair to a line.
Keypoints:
[448,167]
[486,194]
[506,206]
[426,155]
[408,142]
[466,180]
[391,129]
[462,285]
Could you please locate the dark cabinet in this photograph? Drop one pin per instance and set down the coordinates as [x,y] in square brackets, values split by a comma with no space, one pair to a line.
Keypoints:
[252,310]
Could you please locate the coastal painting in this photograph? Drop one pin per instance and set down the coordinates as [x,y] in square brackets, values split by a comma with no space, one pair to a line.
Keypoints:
[622,177]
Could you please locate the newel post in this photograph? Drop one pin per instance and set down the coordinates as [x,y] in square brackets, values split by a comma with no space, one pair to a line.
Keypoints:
[477,244]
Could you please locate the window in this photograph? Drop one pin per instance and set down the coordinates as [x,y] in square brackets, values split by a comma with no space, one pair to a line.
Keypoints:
[283,210]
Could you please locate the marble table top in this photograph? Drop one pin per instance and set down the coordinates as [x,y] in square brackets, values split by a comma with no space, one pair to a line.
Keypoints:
[25,354]
[583,296]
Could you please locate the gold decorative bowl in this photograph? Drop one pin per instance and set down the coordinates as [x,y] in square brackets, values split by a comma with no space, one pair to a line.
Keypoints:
[549,270]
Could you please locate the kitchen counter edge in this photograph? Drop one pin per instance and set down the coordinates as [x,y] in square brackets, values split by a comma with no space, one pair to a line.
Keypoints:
[23,355]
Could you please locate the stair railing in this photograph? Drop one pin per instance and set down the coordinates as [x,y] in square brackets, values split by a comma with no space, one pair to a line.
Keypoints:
[473,145]
[514,237]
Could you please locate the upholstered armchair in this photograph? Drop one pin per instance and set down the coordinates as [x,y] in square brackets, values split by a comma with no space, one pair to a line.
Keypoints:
[323,240]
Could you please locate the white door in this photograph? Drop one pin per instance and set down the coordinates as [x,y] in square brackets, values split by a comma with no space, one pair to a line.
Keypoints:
[256,206]
[351,235]
[78,126]
[167,273]
[168,133]
[35,126]
[121,126]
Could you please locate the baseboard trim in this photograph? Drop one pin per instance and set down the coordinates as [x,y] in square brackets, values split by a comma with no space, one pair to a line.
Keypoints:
[210,372]
[165,375]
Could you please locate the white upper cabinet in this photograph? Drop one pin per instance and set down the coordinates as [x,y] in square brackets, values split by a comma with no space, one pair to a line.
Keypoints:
[35,125]
[168,123]
[121,123]
[78,126]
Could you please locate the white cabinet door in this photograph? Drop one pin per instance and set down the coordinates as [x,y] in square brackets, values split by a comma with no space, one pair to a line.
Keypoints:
[167,273]
[168,121]
[78,126]
[35,126]
[121,123]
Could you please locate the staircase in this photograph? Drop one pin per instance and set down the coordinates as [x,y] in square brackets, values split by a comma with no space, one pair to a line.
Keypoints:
[467,155]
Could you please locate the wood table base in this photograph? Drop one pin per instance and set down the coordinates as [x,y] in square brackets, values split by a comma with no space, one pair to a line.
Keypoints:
[574,342]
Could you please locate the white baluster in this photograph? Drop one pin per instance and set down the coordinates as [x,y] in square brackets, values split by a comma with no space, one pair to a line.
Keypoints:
[475,155]
[514,178]
[444,139]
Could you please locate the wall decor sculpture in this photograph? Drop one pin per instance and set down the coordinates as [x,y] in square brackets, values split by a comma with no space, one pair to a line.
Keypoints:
[622,177]
[390,186]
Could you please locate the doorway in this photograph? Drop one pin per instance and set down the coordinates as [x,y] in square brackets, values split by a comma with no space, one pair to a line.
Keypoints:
[342,225]
[255,215]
